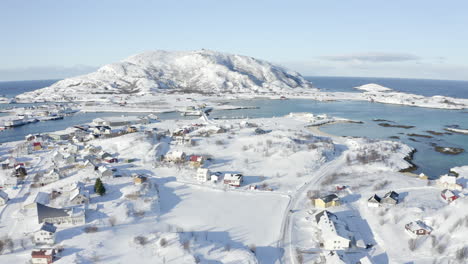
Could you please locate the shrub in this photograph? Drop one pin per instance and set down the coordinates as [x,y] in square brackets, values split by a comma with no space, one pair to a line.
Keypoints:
[91,229]
[140,240]
[186,245]
[163,242]
[440,248]
[112,221]
[461,254]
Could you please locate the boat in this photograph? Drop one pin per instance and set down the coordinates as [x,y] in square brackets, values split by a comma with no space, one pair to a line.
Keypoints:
[14,123]
[192,113]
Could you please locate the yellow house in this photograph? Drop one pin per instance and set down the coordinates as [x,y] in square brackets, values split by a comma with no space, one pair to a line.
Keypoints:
[327,201]
[37,146]
[132,129]
[139,179]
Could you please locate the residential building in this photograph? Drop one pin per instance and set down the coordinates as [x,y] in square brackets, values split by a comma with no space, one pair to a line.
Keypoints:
[52,176]
[43,256]
[374,201]
[327,201]
[418,228]
[139,179]
[45,235]
[390,198]
[233,179]
[448,195]
[335,233]
[203,175]
[60,216]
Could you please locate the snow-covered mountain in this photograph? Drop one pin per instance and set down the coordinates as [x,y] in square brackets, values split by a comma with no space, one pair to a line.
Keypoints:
[201,71]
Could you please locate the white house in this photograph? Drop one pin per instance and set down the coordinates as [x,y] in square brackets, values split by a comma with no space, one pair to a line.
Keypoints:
[233,179]
[57,157]
[390,198]
[78,196]
[52,176]
[335,234]
[45,235]
[374,201]
[203,175]
[183,140]
[103,171]
[3,198]
[418,228]
[449,181]
[175,156]
[9,181]
[60,216]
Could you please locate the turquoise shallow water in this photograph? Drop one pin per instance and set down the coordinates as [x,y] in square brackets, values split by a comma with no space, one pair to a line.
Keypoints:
[429,161]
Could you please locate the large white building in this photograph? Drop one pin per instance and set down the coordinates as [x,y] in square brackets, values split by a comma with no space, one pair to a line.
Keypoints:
[335,234]
[203,175]
[60,216]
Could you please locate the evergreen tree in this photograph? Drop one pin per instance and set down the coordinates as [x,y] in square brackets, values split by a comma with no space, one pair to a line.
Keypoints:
[99,187]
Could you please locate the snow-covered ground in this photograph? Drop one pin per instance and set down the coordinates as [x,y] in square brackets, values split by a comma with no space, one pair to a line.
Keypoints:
[173,218]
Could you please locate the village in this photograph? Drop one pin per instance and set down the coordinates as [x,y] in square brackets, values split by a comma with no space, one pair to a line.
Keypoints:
[264,190]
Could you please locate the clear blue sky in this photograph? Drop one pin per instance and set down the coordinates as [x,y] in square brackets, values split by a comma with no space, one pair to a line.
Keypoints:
[399,38]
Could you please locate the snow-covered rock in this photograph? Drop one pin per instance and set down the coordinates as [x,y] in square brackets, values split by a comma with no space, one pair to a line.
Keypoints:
[200,71]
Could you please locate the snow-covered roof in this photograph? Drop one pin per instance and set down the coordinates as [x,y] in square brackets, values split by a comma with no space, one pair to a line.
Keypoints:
[448,193]
[175,154]
[39,197]
[417,225]
[331,226]
[232,176]
[448,179]
[77,192]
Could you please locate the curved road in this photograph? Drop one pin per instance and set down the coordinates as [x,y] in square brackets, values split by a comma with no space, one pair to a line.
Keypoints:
[286,240]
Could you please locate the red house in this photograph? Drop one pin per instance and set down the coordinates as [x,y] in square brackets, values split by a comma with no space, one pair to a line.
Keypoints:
[448,195]
[43,256]
[110,160]
[37,146]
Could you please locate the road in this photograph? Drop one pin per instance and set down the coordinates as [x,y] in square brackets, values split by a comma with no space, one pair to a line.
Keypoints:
[287,238]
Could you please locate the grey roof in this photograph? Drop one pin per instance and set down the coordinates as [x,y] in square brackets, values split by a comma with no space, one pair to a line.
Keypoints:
[48,227]
[319,215]
[44,212]
[329,198]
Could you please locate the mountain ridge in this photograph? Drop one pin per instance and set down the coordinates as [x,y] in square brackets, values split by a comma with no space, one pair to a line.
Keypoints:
[199,71]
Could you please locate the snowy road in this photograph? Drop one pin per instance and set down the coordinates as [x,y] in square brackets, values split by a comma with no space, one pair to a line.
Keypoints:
[287,238]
